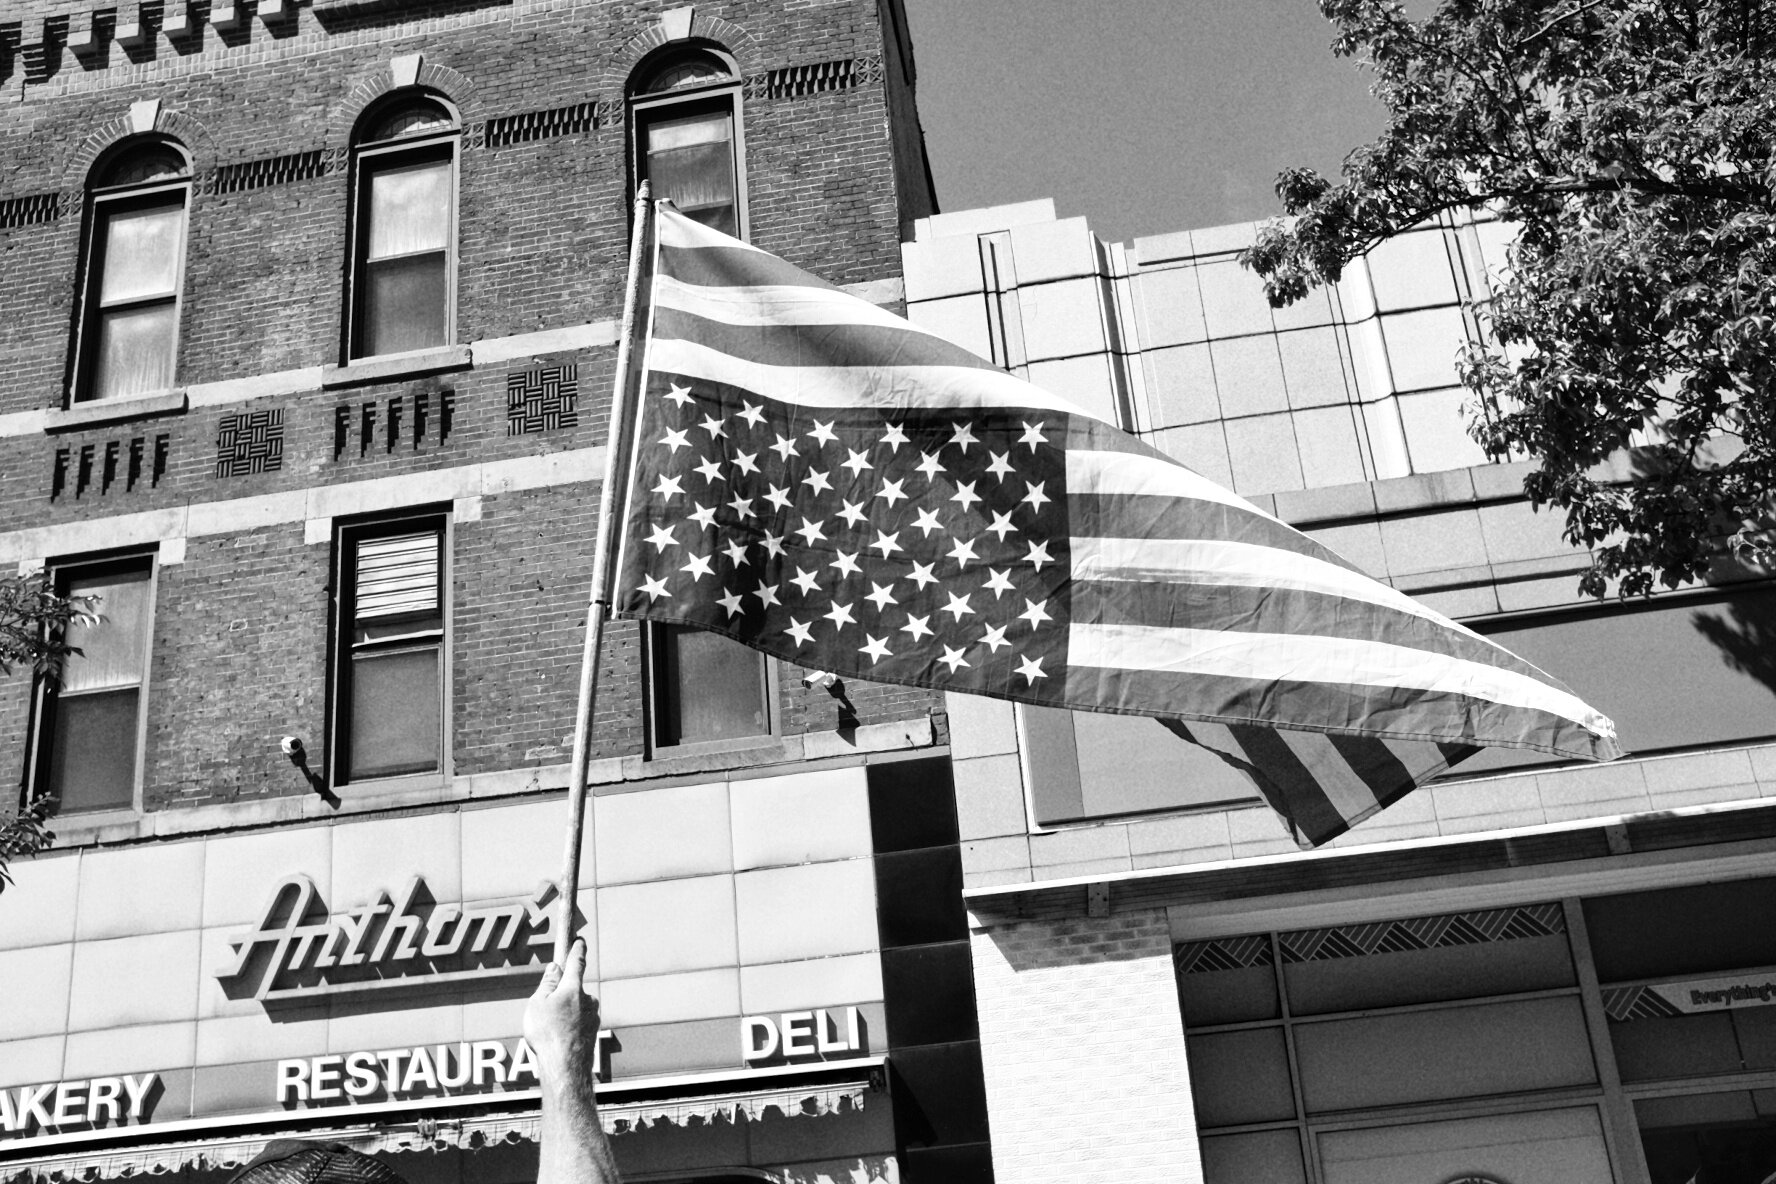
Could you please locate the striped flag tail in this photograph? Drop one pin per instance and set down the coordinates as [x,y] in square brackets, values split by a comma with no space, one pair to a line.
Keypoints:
[821,480]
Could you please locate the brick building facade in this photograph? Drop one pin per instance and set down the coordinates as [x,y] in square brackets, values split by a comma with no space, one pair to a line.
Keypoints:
[311,312]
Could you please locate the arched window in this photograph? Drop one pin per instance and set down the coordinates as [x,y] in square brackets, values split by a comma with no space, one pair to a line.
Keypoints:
[403,274]
[135,262]
[685,112]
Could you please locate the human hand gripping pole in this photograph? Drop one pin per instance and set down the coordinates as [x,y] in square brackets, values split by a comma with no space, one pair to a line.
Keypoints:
[561,1024]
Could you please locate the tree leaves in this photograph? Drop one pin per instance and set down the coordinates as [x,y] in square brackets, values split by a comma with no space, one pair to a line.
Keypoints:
[1633,142]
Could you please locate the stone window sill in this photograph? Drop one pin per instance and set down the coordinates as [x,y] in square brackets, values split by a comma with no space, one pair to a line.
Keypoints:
[415,364]
[86,415]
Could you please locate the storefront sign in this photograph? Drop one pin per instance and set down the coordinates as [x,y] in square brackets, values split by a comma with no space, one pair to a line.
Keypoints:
[300,950]
[1718,994]
[60,1106]
[798,1034]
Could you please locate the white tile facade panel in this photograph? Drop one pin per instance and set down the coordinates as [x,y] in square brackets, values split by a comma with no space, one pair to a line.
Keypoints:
[1412,271]
[666,926]
[658,834]
[670,998]
[941,267]
[125,981]
[1081,1032]
[1437,432]
[52,884]
[1233,299]
[1059,250]
[1181,385]
[1086,381]
[1263,453]
[816,982]
[241,871]
[802,818]
[1313,367]
[151,888]
[32,1061]
[1422,347]
[369,857]
[36,979]
[507,850]
[1330,453]
[805,912]
[1249,376]
[1061,320]
[960,320]
[1170,307]
[143,1048]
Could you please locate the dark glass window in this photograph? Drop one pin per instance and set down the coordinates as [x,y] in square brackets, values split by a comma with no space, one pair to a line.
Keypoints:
[135,257]
[92,720]
[403,268]
[390,662]
[706,687]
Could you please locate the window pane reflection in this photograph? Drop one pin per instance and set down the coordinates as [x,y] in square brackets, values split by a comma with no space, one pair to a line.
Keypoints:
[142,253]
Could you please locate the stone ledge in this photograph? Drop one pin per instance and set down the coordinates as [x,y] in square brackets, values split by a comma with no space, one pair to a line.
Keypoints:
[416,364]
[86,415]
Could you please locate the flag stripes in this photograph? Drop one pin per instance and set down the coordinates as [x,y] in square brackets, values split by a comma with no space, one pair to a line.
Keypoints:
[824,481]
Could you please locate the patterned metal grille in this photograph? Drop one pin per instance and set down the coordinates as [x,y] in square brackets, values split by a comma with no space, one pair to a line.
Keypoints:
[29,210]
[1423,933]
[542,400]
[1226,953]
[1636,1003]
[250,442]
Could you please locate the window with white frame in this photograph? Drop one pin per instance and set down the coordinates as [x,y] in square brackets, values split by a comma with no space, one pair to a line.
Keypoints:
[390,662]
[688,140]
[403,274]
[90,722]
[129,339]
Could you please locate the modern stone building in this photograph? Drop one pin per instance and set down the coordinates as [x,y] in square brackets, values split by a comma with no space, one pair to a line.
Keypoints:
[310,313]
[1524,974]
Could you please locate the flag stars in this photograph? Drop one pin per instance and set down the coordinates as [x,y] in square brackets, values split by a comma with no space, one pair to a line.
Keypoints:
[998,582]
[731,602]
[952,657]
[894,437]
[784,448]
[887,543]
[806,581]
[680,395]
[927,522]
[845,563]
[753,415]
[654,588]
[767,595]
[962,436]
[962,552]
[742,506]
[778,497]
[669,487]
[875,647]
[703,516]
[712,472]
[773,545]
[1033,434]
[1035,612]
[736,553]
[995,638]
[929,465]
[965,494]
[817,480]
[1001,525]
[957,607]
[661,538]
[714,426]
[1034,496]
[881,595]
[922,574]
[675,439]
[800,632]
[822,433]
[811,531]
[1031,669]
[840,616]
[1039,555]
[856,461]
[1001,465]
[853,513]
[698,567]
[917,626]
[746,462]
[891,492]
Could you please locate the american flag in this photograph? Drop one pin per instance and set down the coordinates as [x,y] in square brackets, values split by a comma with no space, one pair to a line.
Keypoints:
[823,481]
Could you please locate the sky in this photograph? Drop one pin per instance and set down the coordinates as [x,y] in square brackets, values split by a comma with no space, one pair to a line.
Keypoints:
[1146,116]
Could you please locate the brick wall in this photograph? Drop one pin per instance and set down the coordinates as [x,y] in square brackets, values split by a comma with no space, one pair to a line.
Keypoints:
[1083,1045]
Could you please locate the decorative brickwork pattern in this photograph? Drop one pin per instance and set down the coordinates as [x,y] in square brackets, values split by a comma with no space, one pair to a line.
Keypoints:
[1423,933]
[250,442]
[29,210]
[542,400]
[793,82]
[273,170]
[544,125]
[1081,1031]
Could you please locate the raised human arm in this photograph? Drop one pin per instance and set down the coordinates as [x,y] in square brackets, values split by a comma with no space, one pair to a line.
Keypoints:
[561,1024]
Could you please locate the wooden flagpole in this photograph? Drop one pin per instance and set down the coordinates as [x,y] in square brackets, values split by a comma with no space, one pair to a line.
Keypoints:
[598,600]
